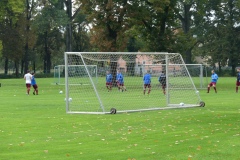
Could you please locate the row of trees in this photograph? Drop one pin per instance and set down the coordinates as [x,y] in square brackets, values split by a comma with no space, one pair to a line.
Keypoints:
[35,34]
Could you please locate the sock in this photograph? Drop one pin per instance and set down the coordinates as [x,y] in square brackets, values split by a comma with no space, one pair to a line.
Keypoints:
[215,89]
[208,89]
[236,89]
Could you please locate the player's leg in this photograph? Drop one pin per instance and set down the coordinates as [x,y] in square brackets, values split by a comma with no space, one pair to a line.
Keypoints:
[144,88]
[209,85]
[36,89]
[107,86]
[164,88]
[110,86]
[121,87]
[149,88]
[118,84]
[237,84]
[214,87]
[28,88]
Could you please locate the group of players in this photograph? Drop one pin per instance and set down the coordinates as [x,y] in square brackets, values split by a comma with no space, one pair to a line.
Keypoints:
[30,81]
[146,82]
[162,80]
[214,79]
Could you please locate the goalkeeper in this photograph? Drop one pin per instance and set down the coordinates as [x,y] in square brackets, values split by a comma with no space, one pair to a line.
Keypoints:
[162,80]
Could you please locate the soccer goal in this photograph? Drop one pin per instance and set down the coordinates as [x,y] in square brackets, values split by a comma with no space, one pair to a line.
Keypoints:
[59,74]
[196,72]
[96,98]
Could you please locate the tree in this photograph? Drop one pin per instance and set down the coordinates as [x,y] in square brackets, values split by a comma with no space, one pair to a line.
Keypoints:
[9,14]
[51,21]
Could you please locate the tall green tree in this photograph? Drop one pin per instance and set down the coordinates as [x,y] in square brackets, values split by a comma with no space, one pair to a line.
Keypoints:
[221,33]
[50,21]
[10,11]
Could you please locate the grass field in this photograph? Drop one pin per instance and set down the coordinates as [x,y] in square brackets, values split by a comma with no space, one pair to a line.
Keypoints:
[37,127]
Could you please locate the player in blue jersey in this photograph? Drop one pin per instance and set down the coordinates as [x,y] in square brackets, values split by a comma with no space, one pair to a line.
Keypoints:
[162,80]
[147,82]
[109,79]
[238,79]
[214,79]
[120,81]
[34,84]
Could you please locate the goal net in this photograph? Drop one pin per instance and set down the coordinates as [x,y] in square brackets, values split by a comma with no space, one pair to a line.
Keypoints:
[177,91]
[73,70]
[196,72]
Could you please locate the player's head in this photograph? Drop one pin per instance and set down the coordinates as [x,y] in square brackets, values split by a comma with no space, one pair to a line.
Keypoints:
[238,69]
[33,73]
[28,71]
[213,71]
[107,72]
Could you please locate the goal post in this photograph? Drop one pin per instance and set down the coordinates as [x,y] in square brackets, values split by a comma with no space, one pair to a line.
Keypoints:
[97,97]
[59,73]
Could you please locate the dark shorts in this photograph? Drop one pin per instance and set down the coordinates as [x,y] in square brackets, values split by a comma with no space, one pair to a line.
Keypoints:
[120,84]
[28,85]
[212,83]
[108,83]
[237,83]
[147,85]
[35,86]
[164,86]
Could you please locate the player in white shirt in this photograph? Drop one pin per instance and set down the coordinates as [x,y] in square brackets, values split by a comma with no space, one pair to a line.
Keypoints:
[28,78]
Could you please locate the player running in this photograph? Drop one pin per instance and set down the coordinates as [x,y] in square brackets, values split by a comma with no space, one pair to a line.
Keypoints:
[162,80]
[238,79]
[120,81]
[147,82]
[34,84]
[213,82]
[109,79]
[28,78]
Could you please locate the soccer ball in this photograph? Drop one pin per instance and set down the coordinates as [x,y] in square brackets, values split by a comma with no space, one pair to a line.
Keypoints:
[197,92]
[181,104]
[60,92]
[69,99]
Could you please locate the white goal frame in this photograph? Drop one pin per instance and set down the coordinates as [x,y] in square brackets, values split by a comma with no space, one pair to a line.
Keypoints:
[101,108]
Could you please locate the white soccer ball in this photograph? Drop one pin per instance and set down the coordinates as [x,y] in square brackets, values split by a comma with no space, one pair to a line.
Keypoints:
[181,104]
[60,92]
[69,99]
[197,92]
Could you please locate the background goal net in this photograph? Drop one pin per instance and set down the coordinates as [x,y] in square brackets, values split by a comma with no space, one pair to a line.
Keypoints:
[96,98]
[74,70]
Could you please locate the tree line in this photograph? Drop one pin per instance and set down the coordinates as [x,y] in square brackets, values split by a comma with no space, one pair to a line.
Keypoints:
[35,34]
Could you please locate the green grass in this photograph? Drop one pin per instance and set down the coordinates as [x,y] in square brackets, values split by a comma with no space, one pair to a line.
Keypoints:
[37,127]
